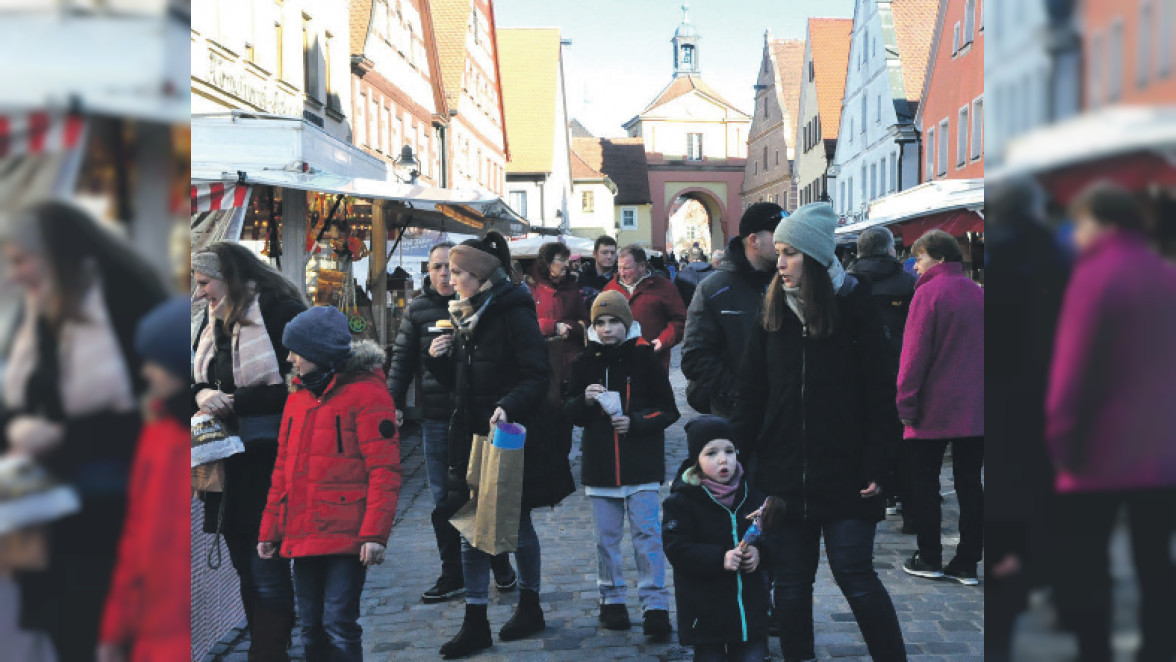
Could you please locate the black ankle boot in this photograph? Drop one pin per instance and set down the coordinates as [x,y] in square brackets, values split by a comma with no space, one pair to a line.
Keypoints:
[527,619]
[270,638]
[473,636]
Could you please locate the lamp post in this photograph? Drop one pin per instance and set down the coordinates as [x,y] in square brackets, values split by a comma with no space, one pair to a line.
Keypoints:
[407,161]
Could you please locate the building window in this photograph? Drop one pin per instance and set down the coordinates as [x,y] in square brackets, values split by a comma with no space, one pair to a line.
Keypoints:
[755,167]
[1115,80]
[1143,56]
[810,71]
[865,113]
[955,40]
[694,146]
[962,138]
[1164,39]
[893,172]
[873,181]
[777,157]
[977,128]
[865,183]
[766,165]
[361,112]
[628,218]
[878,109]
[969,21]
[309,61]
[942,151]
[929,150]
[1094,66]
[588,202]
[882,177]
[518,202]
[373,132]
[279,64]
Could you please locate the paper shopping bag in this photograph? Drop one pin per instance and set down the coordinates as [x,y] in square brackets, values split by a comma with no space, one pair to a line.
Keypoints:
[490,521]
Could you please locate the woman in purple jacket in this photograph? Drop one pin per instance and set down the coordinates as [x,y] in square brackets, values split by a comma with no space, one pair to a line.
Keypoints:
[941,400]
[1110,420]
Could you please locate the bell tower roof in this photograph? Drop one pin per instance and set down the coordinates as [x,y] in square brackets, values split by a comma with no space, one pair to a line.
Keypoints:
[685,42]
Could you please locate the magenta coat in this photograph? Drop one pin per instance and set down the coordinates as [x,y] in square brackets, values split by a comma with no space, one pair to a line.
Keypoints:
[941,372]
[1111,407]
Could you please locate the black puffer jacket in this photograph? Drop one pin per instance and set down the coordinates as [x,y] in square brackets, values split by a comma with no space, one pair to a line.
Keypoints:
[412,343]
[634,371]
[816,414]
[718,322]
[688,279]
[892,288]
[503,364]
[714,605]
[248,474]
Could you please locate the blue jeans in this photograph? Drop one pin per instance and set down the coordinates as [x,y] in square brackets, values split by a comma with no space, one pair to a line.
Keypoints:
[645,531]
[435,436]
[849,547]
[751,651]
[476,564]
[328,589]
[265,583]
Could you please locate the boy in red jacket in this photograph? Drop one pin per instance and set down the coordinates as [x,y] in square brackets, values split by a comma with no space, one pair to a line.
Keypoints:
[336,479]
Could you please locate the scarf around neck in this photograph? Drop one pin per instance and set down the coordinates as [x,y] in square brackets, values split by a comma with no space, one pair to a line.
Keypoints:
[465,313]
[317,380]
[254,361]
[724,494]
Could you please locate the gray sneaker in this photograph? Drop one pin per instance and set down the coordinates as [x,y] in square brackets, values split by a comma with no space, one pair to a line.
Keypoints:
[919,568]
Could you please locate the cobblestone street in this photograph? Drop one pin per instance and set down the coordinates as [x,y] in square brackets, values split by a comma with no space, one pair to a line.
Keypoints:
[940,620]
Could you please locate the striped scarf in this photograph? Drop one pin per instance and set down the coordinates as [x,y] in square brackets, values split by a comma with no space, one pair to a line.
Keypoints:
[254,360]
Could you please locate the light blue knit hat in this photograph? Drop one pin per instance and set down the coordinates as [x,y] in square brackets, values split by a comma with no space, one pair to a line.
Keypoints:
[809,230]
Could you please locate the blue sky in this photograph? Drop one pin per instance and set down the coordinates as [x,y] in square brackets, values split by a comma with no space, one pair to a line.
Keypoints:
[621,55]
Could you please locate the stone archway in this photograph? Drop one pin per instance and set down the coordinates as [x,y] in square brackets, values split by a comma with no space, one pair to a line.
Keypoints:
[694,216]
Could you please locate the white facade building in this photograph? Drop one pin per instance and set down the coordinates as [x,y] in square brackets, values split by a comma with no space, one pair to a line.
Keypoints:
[1016,73]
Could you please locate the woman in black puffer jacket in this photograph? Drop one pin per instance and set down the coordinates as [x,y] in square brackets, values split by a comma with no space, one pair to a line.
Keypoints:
[816,399]
[496,363]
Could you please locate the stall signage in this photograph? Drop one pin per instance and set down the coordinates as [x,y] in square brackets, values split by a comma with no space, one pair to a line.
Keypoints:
[229,76]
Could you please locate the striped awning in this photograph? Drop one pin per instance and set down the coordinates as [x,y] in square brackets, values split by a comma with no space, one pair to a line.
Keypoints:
[39,132]
[215,196]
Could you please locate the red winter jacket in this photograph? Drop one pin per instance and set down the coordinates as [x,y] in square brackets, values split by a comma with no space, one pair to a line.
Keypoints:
[337,476]
[559,302]
[657,304]
[148,607]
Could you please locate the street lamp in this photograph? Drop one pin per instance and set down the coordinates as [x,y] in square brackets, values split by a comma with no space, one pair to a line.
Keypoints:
[407,161]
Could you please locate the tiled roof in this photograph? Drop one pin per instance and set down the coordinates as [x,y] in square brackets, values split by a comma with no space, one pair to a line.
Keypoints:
[529,60]
[914,25]
[578,130]
[621,159]
[361,18]
[586,159]
[683,85]
[451,23]
[829,39]
[789,56]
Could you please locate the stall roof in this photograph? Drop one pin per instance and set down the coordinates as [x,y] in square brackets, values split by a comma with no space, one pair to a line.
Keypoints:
[1093,136]
[445,210]
[923,200]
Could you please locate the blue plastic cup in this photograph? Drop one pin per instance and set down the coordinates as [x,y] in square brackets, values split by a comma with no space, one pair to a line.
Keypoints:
[509,436]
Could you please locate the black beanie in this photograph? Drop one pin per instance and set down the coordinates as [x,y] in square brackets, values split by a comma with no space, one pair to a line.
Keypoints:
[319,334]
[703,430]
[760,217]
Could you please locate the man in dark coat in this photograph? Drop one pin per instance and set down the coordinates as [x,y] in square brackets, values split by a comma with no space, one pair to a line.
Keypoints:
[892,289]
[604,266]
[724,308]
[412,341]
[694,273]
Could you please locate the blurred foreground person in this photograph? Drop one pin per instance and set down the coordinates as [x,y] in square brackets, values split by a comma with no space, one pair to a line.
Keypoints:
[148,614]
[1110,421]
[70,402]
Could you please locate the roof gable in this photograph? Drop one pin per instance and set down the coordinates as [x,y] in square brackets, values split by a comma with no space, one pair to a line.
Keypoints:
[914,28]
[684,85]
[788,61]
[829,40]
[620,159]
[361,20]
[529,60]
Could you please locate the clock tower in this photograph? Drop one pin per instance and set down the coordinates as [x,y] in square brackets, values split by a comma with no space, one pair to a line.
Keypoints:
[686,46]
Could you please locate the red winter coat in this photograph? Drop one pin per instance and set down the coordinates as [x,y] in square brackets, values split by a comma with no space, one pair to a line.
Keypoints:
[148,607]
[337,476]
[657,304]
[559,302]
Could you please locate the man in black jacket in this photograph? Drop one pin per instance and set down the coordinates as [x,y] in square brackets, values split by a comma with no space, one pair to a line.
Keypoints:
[412,340]
[892,289]
[723,309]
[695,272]
[604,266]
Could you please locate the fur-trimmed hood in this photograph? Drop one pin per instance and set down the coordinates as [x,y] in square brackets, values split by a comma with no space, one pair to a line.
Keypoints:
[366,356]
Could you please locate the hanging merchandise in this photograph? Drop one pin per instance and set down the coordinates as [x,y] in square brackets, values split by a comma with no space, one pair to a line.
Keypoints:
[333,244]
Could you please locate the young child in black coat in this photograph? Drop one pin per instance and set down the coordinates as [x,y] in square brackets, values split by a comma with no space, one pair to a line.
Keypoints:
[621,396]
[722,593]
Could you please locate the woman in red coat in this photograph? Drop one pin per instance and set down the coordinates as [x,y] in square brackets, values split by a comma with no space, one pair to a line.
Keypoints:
[561,312]
[333,496]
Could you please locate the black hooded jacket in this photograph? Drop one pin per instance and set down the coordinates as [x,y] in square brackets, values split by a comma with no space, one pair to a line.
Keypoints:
[718,321]
[412,343]
[817,414]
[714,605]
[892,288]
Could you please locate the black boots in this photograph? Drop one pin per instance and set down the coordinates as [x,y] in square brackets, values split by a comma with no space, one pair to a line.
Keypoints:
[270,636]
[473,636]
[527,619]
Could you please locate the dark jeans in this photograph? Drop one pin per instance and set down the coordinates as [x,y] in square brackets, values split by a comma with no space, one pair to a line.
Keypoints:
[967,461]
[849,547]
[328,589]
[1084,523]
[265,583]
[751,651]
[435,437]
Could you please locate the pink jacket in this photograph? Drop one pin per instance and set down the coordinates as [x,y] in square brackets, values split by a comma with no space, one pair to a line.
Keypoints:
[1111,406]
[941,372]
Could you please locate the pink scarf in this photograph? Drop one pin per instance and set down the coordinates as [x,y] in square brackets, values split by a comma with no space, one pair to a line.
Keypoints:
[724,494]
[254,360]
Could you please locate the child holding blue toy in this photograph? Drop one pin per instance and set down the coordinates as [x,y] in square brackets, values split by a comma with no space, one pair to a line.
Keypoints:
[710,536]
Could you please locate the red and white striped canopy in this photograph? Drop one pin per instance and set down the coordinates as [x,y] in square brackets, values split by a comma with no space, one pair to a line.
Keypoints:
[39,132]
[216,196]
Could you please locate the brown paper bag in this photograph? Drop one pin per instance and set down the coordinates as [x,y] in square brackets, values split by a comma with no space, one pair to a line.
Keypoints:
[25,549]
[208,477]
[490,520]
